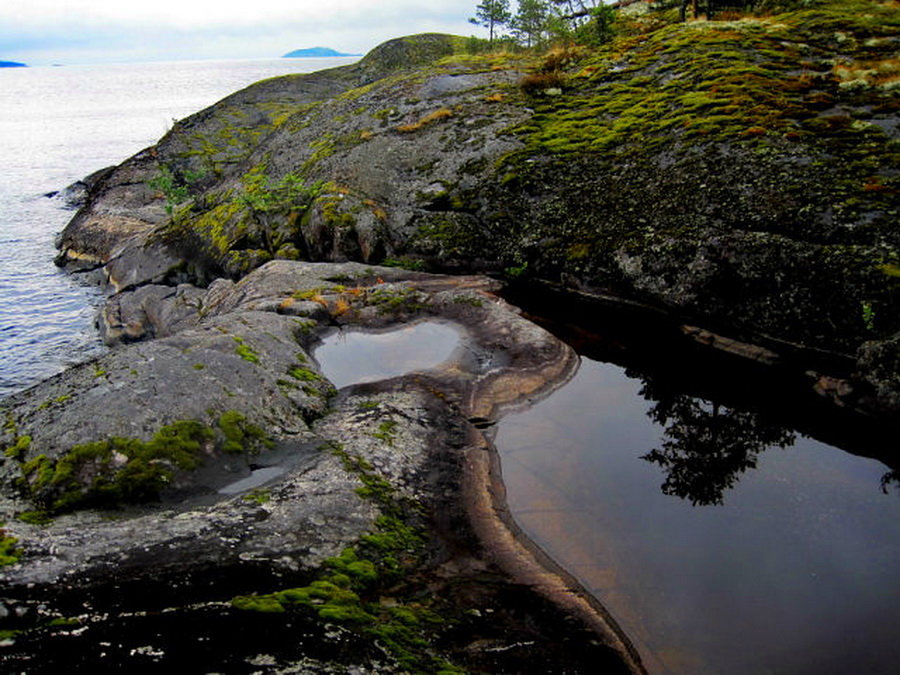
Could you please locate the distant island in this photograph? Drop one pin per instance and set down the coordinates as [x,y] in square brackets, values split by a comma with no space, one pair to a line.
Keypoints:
[12,64]
[314,52]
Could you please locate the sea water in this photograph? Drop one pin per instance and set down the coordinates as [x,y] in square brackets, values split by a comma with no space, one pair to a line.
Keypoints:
[57,125]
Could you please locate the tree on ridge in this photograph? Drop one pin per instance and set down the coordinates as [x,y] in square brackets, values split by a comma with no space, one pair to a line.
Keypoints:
[491,14]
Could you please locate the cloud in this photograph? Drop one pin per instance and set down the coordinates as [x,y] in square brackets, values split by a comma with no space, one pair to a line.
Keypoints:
[44,31]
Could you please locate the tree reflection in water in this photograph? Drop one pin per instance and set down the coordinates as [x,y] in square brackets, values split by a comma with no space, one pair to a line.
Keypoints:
[706,446]
[890,478]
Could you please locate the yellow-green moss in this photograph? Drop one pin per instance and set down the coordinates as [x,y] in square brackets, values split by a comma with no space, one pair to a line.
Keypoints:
[244,350]
[130,470]
[702,80]
[350,588]
[9,552]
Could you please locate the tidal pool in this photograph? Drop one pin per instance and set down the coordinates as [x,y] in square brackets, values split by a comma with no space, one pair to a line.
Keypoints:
[352,356]
[721,543]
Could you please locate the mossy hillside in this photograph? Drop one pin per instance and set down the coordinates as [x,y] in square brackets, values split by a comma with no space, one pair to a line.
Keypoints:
[718,166]
[349,218]
[119,471]
[745,80]
[365,587]
[221,137]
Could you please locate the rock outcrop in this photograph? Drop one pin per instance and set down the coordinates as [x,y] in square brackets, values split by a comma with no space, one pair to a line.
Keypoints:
[218,463]
[738,175]
[741,174]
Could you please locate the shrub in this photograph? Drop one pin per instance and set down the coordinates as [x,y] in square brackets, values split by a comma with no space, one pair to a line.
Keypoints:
[539,83]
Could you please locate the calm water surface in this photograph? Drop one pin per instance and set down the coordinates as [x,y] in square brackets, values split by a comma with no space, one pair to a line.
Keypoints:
[721,540]
[353,356]
[650,497]
[58,125]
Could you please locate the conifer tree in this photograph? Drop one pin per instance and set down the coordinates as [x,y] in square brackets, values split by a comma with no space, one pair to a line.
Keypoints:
[530,22]
[492,14]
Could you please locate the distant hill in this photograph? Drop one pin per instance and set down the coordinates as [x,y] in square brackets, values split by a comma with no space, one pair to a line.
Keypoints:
[315,52]
[11,64]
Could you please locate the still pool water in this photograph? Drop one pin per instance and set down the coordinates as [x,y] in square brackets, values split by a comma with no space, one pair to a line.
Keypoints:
[352,356]
[720,540]
[720,543]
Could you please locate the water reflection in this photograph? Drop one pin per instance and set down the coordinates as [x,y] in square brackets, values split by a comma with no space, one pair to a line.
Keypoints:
[795,572]
[890,478]
[706,446]
[352,356]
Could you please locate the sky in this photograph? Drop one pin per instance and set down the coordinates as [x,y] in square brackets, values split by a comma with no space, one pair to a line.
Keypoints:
[44,32]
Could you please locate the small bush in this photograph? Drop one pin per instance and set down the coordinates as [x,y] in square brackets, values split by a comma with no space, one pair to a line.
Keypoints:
[538,83]
[560,57]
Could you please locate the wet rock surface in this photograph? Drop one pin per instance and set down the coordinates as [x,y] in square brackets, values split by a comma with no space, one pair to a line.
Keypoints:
[134,583]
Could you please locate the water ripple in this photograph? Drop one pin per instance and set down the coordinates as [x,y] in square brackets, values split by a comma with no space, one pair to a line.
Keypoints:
[57,125]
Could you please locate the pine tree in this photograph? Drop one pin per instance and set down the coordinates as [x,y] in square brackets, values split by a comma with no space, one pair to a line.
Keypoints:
[492,14]
[530,22]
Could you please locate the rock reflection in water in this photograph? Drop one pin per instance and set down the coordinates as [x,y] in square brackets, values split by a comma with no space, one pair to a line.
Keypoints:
[706,446]
[353,356]
[794,570]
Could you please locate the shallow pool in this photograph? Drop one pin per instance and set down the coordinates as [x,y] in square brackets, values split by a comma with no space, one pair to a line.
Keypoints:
[720,542]
[352,355]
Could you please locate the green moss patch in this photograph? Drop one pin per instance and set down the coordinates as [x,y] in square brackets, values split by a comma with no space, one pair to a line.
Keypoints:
[244,350]
[745,81]
[362,588]
[9,552]
[118,470]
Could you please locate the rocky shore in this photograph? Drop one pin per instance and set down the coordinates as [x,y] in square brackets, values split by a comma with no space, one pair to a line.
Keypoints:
[738,176]
[395,477]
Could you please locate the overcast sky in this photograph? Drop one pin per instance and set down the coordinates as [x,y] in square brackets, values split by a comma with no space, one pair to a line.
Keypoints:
[41,32]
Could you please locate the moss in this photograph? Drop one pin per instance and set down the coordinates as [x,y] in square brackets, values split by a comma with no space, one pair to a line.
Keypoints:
[235,230]
[387,431]
[304,374]
[397,301]
[9,552]
[120,470]
[690,82]
[18,449]
[258,496]
[312,293]
[305,328]
[322,148]
[890,270]
[470,300]
[64,622]
[332,213]
[265,604]
[244,350]
[406,263]
[35,517]
[351,588]
[242,436]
